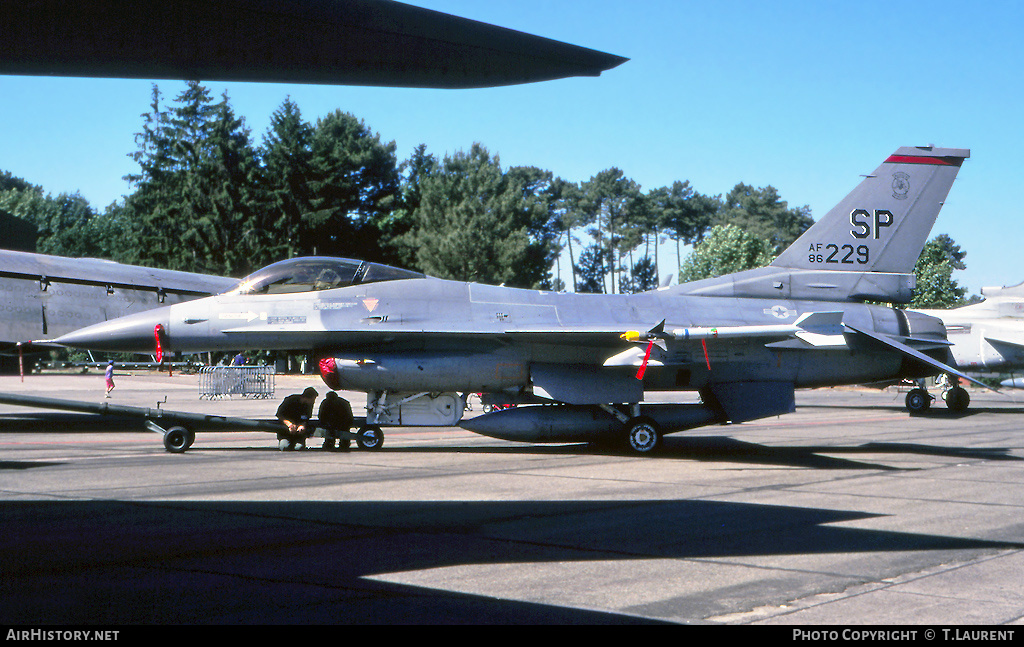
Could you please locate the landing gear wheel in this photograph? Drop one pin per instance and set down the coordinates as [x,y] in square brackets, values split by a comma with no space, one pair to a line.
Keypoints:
[178,439]
[918,401]
[643,434]
[957,399]
[370,438]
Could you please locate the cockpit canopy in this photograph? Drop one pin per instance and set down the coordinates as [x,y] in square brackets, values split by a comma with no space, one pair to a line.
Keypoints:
[310,273]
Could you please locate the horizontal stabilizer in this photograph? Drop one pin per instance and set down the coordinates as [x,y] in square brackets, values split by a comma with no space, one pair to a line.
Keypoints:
[821,329]
[1004,291]
[829,323]
[992,339]
[919,356]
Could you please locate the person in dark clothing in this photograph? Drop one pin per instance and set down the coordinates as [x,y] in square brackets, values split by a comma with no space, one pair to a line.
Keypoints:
[335,415]
[295,413]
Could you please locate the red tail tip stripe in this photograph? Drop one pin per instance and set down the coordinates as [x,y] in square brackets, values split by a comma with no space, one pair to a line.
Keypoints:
[918,159]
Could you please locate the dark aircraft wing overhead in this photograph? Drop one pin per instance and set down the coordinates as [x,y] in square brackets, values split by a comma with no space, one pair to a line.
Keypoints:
[345,42]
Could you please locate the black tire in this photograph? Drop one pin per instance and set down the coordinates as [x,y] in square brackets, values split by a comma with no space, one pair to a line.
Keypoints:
[918,401]
[178,439]
[643,435]
[958,399]
[370,438]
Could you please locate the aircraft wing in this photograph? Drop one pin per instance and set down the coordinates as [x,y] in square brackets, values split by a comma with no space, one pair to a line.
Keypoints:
[347,42]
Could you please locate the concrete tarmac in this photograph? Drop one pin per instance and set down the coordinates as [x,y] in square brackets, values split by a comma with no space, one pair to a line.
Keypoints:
[847,512]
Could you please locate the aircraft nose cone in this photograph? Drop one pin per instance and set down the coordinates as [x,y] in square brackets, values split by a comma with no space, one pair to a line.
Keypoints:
[132,334]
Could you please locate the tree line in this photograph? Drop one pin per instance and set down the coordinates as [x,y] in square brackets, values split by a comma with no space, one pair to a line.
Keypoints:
[208,198]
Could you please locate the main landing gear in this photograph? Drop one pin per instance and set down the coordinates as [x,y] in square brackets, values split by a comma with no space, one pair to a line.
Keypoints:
[957,398]
[642,433]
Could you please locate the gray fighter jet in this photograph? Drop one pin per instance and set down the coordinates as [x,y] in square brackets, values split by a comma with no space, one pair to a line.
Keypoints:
[581,364]
[986,337]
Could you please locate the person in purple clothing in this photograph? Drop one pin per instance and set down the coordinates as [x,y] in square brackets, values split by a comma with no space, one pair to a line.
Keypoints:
[110,377]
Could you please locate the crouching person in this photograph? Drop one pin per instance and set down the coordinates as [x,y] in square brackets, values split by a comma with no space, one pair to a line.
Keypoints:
[295,413]
[335,418]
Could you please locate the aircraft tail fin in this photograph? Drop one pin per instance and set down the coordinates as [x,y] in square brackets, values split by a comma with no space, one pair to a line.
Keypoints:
[865,247]
[1009,291]
[883,224]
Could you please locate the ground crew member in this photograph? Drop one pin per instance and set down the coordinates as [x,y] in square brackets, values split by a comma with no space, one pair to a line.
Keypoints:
[335,416]
[295,413]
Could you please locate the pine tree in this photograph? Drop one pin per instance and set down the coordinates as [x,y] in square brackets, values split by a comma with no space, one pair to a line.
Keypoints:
[935,286]
[354,182]
[613,207]
[762,213]
[478,223]
[194,207]
[286,178]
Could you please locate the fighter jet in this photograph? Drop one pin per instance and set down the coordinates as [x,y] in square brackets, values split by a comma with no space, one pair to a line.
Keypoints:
[47,296]
[580,365]
[986,337]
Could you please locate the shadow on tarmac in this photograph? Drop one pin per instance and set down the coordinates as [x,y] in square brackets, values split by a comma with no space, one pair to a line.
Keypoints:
[680,447]
[730,450]
[193,562]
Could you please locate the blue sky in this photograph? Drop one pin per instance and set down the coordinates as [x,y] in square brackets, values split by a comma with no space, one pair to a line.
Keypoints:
[803,96]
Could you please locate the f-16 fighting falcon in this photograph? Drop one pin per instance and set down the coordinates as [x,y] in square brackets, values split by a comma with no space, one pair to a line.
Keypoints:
[581,364]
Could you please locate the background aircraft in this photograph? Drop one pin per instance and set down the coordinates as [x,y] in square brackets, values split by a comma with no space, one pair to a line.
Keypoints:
[744,341]
[987,337]
[48,296]
[346,42]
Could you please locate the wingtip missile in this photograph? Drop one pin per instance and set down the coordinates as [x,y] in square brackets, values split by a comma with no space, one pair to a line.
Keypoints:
[654,334]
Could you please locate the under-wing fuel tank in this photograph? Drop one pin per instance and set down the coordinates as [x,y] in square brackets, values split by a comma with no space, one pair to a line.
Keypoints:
[584,423]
